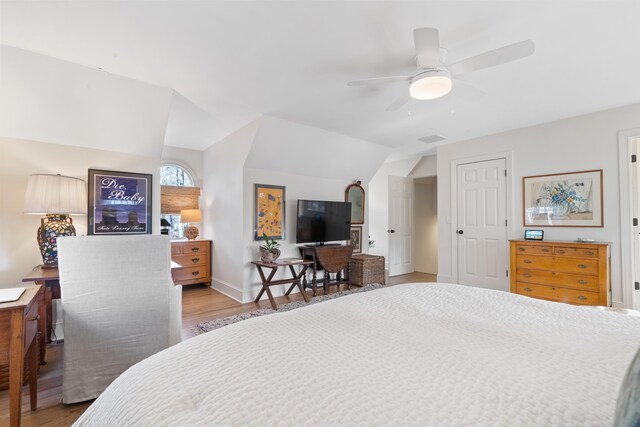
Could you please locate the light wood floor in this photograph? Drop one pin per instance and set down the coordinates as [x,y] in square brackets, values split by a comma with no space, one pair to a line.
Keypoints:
[199,304]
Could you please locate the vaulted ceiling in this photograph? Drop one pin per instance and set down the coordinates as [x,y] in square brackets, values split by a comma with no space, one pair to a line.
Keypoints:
[238,60]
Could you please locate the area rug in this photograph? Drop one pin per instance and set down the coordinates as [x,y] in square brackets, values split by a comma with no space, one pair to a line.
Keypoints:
[211,325]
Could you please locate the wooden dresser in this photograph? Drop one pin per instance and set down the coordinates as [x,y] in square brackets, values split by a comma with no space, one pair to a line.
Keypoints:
[570,272]
[20,324]
[195,258]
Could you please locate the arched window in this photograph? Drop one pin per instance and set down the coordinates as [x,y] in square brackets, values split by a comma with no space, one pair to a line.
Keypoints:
[172,174]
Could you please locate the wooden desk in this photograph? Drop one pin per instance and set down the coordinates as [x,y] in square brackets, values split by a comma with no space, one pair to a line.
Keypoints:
[267,281]
[19,324]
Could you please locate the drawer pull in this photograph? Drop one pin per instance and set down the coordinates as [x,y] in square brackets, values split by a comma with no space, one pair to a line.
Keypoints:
[582,297]
[582,266]
[582,282]
[527,261]
[527,289]
[195,249]
[195,273]
[521,249]
[527,274]
[561,252]
[31,319]
[545,250]
[194,260]
[590,253]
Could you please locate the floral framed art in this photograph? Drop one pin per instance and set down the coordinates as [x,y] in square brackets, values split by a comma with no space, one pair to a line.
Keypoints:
[119,203]
[573,199]
[269,211]
[356,239]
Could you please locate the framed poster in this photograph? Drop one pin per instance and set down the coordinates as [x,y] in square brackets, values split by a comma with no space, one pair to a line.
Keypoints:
[269,213]
[573,199]
[119,203]
[356,239]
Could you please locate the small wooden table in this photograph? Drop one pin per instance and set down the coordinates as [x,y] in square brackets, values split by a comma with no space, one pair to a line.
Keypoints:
[19,324]
[268,281]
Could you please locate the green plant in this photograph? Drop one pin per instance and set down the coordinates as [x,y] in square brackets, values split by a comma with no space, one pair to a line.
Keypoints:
[269,244]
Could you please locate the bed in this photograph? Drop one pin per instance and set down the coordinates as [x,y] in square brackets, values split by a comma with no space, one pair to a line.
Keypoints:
[413,354]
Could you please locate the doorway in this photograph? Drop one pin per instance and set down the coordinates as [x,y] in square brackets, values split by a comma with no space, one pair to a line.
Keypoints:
[481,224]
[426,225]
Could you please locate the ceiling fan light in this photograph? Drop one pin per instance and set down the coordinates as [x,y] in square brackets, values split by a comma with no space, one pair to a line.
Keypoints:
[431,84]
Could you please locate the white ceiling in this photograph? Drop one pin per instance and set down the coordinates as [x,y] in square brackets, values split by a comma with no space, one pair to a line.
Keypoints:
[237,60]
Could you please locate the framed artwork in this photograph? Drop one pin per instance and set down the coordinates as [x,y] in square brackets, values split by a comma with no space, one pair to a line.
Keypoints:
[573,199]
[356,239]
[269,213]
[119,203]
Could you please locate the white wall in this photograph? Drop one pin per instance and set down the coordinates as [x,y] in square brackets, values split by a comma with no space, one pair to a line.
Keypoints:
[426,225]
[19,251]
[579,143]
[378,203]
[222,208]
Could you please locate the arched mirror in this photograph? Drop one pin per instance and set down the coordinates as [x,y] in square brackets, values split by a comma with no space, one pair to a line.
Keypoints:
[355,194]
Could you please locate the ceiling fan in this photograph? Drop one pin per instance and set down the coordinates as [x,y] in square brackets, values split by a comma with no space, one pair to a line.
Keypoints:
[433,79]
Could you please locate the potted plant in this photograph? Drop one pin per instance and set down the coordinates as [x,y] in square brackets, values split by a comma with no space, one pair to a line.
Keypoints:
[269,252]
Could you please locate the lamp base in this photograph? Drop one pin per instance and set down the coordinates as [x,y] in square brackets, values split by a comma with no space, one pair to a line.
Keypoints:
[191,232]
[53,226]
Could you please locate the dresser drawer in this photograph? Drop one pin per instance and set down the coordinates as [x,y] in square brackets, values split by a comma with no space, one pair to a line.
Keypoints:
[558,264]
[195,248]
[190,273]
[191,260]
[534,250]
[565,280]
[554,293]
[575,252]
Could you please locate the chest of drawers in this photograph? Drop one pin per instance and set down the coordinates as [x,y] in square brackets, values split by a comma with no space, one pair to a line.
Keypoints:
[570,272]
[195,258]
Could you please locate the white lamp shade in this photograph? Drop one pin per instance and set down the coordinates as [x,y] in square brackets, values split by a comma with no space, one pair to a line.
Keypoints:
[55,194]
[190,215]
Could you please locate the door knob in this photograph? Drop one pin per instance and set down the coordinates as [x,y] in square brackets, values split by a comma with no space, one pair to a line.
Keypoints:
[391,231]
[460,232]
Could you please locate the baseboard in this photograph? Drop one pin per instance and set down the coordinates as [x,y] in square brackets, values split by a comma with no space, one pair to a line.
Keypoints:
[445,278]
[227,289]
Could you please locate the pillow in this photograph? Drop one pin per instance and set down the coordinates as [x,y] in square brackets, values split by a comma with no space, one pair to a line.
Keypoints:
[628,405]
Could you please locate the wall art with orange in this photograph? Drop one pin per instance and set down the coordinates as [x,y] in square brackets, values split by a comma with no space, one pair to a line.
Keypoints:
[269,211]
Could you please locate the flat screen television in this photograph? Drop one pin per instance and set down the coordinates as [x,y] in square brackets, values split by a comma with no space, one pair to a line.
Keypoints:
[323,221]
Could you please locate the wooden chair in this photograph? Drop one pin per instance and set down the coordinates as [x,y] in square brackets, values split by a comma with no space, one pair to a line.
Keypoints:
[334,259]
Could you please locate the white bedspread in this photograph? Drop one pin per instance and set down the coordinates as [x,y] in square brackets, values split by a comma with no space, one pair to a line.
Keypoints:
[416,354]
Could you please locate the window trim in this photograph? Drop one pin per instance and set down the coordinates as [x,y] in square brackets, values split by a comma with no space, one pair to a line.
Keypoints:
[187,168]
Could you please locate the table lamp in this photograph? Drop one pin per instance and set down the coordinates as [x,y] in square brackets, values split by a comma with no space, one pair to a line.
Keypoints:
[189,216]
[56,197]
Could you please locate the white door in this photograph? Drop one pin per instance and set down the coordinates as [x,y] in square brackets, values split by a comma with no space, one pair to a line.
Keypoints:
[635,185]
[481,224]
[400,230]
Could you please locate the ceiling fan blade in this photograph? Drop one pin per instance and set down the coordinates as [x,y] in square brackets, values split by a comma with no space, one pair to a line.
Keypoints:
[399,102]
[379,80]
[494,57]
[427,41]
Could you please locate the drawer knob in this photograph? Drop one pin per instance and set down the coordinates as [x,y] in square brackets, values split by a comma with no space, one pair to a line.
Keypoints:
[560,251]
[195,249]
[582,297]
[527,289]
[194,260]
[195,273]
[527,261]
[582,266]
[590,253]
[582,282]
[527,274]
[521,249]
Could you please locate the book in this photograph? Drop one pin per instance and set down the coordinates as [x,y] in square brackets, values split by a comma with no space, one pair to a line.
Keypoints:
[291,260]
[11,294]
